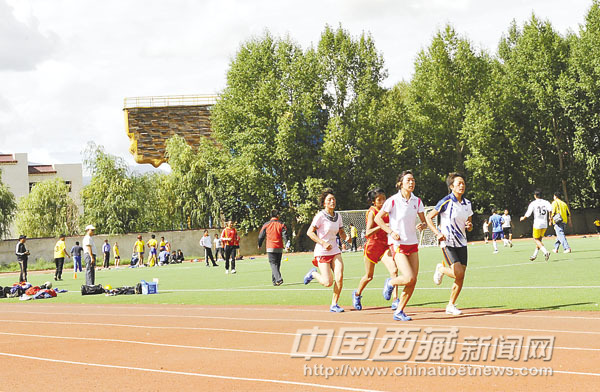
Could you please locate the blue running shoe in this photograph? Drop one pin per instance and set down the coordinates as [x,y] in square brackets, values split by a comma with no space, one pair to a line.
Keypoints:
[336,308]
[387,289]
[401,316]
[395,304]
[356,301]
[308,277]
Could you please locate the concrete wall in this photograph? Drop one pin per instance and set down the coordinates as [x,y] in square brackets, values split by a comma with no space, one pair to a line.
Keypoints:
[187,241]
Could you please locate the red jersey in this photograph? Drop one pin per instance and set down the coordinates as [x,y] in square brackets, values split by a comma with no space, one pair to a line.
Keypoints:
[379,235]
[229,236]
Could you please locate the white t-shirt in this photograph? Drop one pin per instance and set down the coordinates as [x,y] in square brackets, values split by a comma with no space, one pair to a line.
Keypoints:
[486,227]
[205,241]
[218,243]
[507,220]
[540,209]
[403,218]
[87,240]
[327,229]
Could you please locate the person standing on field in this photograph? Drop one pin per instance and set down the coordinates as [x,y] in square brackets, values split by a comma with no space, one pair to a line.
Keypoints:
[228,236]
[60,252]
[275,232]
[486,231]
[507,229]
[22,257]
[89,255]
[561,216]
[106,253]
[76,254]
[540,209]
[206,243]
[353,238]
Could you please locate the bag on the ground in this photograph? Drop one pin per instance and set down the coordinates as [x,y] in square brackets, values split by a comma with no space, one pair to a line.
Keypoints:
[557,218]
[138,288]
[92,289]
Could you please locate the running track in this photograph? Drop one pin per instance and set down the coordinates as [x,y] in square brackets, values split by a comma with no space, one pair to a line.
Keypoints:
[73,347]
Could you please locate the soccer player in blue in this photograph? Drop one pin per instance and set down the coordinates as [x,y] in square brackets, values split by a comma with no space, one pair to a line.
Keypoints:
[497,233]
[455,217]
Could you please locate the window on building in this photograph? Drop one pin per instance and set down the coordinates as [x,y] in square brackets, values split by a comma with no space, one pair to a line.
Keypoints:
[31,185]
[69,184]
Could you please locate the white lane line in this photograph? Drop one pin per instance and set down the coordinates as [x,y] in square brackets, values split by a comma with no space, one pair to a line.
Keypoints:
[284,381]
[518,312]
[288,320]
[172,372]
[290,334]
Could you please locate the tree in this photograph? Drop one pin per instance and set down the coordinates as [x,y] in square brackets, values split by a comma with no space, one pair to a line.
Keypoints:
[8,208]
[48,210]
[449,76]
[580,97]
[115,200]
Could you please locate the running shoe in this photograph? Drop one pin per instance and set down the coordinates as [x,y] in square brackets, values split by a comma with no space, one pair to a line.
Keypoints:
[401,316]
[233,271]
[496,251]
[547,256]
[308,277]
[387,289]
[567,251]
[395,304]
[532,258]
[451,309]
[226,272]
[336,308]
[555,250]
[356,301]
[510,242]
[438,275]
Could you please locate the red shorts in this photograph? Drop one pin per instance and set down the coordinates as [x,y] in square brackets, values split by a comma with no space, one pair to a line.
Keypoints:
[323,259]
[404,249]
[374,250]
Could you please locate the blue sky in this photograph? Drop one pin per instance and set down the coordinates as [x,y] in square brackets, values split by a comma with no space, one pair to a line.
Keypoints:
[67,65]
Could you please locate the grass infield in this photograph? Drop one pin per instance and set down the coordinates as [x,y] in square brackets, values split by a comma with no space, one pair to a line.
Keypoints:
[504,280]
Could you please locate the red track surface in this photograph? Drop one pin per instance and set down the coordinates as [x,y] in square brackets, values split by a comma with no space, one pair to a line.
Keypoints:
[162,348]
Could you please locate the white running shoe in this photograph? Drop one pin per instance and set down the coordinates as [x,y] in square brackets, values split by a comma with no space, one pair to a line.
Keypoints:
[451,309]
[233,271]
[226,272]
[496,251]
[438,275]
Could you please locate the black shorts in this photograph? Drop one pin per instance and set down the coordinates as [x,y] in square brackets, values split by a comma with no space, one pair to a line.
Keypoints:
[507,231]
[455,255]
[486,235]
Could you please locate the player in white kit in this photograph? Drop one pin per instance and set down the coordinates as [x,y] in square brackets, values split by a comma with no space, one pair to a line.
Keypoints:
[540,209]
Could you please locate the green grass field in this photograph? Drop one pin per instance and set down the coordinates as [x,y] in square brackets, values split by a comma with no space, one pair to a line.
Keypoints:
[504,280]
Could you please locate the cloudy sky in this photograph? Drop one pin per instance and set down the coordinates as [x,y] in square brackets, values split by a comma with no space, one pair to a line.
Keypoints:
[67,65]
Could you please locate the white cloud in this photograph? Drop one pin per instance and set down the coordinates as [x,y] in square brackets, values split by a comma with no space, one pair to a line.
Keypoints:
[78,59]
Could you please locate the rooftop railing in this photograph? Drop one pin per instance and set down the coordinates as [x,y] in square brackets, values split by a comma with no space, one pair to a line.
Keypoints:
[170,100]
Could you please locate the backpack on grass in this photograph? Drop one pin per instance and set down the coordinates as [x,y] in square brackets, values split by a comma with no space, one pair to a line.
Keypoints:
[92,290]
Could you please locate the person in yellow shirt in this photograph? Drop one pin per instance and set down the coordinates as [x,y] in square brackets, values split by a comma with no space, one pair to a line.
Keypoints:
[353,237]
[597,224]
[138,249]
[117,254]
[152,244]
[561,216]
[60,251]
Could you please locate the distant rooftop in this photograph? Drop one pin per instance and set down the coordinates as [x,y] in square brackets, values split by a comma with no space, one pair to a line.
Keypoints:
[7,158]
[41,169]
[170,100]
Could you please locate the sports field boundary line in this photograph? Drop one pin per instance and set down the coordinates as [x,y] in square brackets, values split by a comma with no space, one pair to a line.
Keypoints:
[174,372]
[312,321]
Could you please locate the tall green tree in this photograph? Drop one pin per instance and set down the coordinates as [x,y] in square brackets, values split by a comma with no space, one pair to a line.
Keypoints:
[8,208]
[48,210]
[114,201]
[580,97]
[449,75]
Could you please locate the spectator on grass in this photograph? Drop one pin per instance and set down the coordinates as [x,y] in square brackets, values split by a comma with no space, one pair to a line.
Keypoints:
[89,255]
[206,243]
[117,254]
[353,237]
[60,251]
[138,249]
[76,254]
[561,216]
[163,256]
[106,252]
[275,232]
[179,257]
[153,252]
[228,236]
[219,248]
[22,257]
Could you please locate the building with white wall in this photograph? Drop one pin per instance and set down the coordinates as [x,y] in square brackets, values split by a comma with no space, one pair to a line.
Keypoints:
[19,175]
